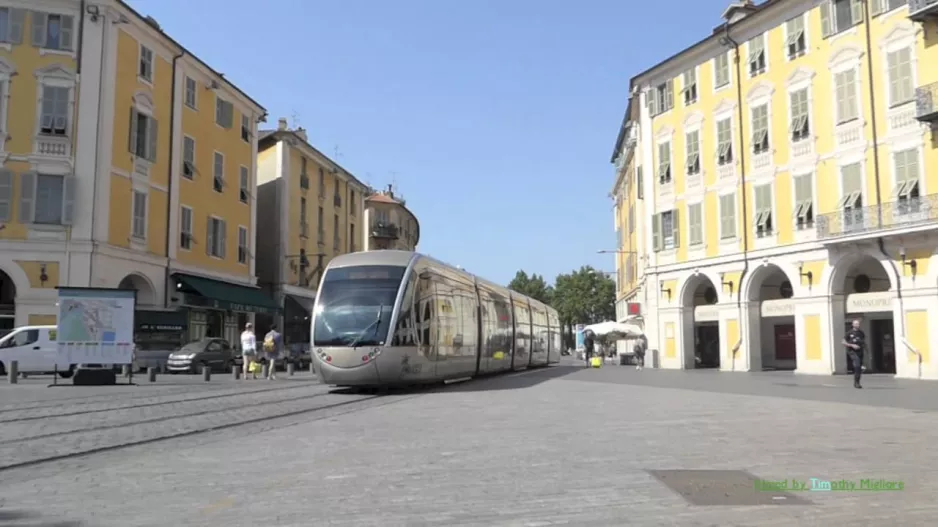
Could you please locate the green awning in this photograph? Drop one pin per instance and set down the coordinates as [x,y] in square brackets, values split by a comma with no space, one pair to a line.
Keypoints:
[215,294]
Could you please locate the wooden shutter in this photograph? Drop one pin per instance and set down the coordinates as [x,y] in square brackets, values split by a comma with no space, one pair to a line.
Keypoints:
[68,199]
[152,138]
[39,29]
[27,197]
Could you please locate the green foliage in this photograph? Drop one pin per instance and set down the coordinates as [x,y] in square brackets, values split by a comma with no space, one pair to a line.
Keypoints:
[585,296]
[533,286]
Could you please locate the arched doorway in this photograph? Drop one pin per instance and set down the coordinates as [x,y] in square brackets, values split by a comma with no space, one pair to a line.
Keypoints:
[146,295]
[700,323]
[772,343]
[862,289]
[7,303]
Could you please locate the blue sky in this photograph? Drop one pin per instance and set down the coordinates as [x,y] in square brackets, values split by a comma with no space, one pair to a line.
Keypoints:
[495,119]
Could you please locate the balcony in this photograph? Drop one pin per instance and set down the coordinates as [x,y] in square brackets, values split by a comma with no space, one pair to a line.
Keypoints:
[53,146]
[387,231]
[874,221]
[922,10]
[926,102]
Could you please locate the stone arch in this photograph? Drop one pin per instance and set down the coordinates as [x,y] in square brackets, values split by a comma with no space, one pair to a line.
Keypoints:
[883,278]
[700,335]
[144,101]
[847,54]
[17,275]
[752,288]
[691,288]
[146,292]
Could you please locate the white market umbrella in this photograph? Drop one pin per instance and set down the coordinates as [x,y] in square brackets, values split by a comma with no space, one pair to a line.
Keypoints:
[626,330]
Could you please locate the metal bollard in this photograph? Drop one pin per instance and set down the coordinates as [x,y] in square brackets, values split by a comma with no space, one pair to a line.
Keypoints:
[312,367]
[13,375]
[235,372]
[206,373]
[290,368]
[151,374]
[264,370]
[125,370]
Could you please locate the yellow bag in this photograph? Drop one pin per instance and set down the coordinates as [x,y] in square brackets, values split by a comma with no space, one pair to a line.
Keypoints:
[596,362]
[254,367]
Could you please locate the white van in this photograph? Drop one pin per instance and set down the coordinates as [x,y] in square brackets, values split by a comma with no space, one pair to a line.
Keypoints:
[34,349]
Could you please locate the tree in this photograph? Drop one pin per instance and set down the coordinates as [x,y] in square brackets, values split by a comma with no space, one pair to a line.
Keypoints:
[585,296]
[533,286]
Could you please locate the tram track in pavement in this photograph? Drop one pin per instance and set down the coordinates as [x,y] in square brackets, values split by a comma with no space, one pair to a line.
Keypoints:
[187,396]
[104,397]
[65,445]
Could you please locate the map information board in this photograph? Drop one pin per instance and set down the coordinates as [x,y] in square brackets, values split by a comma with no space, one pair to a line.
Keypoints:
[96,326]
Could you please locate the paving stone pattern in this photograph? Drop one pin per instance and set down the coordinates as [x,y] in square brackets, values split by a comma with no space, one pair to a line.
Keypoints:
[565,446]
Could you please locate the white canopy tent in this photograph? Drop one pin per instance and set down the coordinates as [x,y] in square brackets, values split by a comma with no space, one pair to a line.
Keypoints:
[622,330]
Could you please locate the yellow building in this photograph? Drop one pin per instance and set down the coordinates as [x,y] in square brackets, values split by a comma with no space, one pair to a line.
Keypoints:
[310,210]
[142,176]
[785,160]
[391,225]
[627,192]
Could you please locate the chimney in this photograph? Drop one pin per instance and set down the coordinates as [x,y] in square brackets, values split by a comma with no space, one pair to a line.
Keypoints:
[301,133]
[282,124]
[390,191]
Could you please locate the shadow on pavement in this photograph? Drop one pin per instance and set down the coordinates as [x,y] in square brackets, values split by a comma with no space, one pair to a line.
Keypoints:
[513,381]
[7,516]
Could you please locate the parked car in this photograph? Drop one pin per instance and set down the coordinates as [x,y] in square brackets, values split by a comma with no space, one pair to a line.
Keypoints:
[34,350]
[191,358]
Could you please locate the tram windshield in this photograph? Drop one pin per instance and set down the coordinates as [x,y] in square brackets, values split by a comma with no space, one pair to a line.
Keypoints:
[355,304]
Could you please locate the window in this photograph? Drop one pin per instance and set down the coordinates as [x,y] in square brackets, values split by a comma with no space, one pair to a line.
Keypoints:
[139,221]
[639,183]
[845,90]
[188,157]
[757,55]
[336,196]
[321,235]
[800,125]
[191,93]
[53,31]
[335,232]
[145,69]
[244,193]
[804,201]
[851,201]
[11,25]
[54,114]
[351,202]
[631,218]
[351,238]
[692,154]
[304,223]
[690,87]
[796,43]
[724,142]
[185,228]
[224,113]
[242,245]
[840,15]
[695,223]
[661,98]
[721,70]
[143,135]
[46,199]
[219,172]
[906,190]
[664,163]
[245,129]
[215,237]
[322,183]
[901,87]
[665,232]
[760,129]
[763,215]
[728,216]
[6,195]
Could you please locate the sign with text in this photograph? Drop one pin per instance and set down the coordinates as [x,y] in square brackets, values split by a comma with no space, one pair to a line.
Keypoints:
[870,302]
[96,326]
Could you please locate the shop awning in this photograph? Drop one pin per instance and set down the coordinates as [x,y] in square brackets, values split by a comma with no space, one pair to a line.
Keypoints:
[215,294]
[301,302]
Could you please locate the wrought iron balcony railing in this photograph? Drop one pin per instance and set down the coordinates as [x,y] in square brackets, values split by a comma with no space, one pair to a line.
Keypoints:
[874,219]
[921,9]
[926,102]
[384,230]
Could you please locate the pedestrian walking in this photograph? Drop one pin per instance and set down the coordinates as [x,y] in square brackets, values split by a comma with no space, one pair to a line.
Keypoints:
[855,341]
[248,350]
[272,346]
[589,345]
[639,350]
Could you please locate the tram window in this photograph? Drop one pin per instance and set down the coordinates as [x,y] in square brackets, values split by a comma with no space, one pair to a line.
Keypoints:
[404,331]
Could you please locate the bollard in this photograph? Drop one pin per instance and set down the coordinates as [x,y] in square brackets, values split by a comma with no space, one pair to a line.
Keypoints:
[125,370]
[13,375]
[151,374]
[289,368]
[312,367]
[235,372]
[206,373]
[264,370]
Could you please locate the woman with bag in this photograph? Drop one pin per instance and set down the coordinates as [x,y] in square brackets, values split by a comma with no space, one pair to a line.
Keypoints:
[248,351]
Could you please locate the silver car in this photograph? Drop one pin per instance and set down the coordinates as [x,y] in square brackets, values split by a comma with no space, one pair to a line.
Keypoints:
[215,354]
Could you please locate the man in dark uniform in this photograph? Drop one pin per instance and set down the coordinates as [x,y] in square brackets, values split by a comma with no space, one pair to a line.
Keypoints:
[855,341]
[589,345]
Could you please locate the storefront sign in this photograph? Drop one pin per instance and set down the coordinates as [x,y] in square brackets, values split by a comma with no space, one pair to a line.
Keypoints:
[778,308]
[870,302]
[147,321]
[222,305]
[706,314]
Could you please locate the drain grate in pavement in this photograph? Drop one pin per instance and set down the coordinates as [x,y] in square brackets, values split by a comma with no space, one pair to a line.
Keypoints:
[722,487]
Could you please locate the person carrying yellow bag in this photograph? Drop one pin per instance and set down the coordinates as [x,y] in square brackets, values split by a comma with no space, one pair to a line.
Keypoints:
[249,351]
